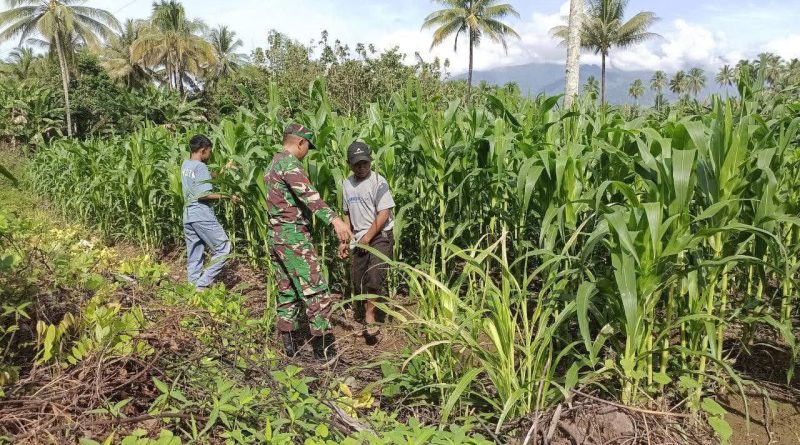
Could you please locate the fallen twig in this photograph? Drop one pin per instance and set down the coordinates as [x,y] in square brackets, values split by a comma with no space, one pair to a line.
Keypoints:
[144,417]
[631,408]
[345,420]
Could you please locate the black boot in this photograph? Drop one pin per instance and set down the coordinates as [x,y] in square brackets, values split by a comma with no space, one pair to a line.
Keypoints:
[289,347]
[324,347]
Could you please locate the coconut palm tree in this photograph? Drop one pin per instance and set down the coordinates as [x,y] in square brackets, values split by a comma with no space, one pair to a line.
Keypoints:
[58,22]
[20,62]
[745,66]
[175,43]
[657,84]
[604,27]
[573,52]
[473,18]
[678,83]
[117,60]
[725,76]
[771,65]
[695,81]
[636,90]
[792,76]
[658,81]
[225,45]
[591,87]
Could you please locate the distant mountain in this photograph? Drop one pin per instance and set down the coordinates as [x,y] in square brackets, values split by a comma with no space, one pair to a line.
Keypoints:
[548,78]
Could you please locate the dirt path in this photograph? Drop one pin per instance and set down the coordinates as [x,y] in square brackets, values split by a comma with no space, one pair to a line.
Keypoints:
[355,355]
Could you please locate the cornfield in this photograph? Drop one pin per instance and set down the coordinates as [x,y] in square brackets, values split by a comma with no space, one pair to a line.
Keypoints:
[545,249]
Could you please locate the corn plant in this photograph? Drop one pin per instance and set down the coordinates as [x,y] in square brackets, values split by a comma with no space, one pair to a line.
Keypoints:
[543,248]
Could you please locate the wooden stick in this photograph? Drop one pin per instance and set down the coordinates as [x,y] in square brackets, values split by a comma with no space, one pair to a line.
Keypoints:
[631,408]
[144,417]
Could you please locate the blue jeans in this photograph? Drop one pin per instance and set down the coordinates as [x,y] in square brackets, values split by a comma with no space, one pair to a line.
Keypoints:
[199,236]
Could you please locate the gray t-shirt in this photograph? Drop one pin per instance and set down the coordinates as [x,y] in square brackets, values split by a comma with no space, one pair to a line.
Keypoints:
[196,180]
[364,199]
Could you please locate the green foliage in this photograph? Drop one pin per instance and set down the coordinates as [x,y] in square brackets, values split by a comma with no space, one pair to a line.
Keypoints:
[543,249]
[716,419]
[138,437]
[144,270]
[537,208]
[30,112]
[101,325]
[8,175]
[353,81]
[44,262]
[415,433]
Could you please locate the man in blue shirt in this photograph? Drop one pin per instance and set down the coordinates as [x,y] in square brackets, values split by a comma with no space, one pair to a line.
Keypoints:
[200,225]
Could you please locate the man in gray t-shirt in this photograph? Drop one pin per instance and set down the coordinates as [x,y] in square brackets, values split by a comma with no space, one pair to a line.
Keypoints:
[368,205]
[200,225]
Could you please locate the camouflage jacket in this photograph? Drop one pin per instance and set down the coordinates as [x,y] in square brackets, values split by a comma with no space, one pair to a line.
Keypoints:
[287,187]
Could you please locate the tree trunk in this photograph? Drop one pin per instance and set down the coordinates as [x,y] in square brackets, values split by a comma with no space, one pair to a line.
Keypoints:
[469,75]
[573,52]
[603,82]
[179,75]
[64,82]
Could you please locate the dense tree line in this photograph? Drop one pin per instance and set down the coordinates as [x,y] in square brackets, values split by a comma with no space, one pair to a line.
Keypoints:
[91,75]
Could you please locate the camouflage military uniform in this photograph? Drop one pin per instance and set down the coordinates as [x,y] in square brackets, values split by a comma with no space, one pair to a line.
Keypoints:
[294,258]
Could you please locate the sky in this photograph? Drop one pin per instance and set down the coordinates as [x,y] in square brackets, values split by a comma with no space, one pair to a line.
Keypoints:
[703,33]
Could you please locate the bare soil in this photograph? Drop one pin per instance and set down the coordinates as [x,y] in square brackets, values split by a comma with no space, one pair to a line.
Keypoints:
[773,421]
[771,414]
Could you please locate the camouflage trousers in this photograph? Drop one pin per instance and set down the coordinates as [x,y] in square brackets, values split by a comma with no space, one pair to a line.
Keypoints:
[300,280]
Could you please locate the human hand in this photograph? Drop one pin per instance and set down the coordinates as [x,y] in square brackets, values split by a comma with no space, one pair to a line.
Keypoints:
[344,250]
[235,199]
[342,230]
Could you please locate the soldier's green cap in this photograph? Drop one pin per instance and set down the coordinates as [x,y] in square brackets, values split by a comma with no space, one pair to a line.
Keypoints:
[301,131]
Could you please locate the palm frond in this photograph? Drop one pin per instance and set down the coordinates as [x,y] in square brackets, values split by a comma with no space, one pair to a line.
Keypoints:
[500,11]
[447,30]
[95,27]
[18,3]
[13,15]
[21,28]
[106,18]
[498,31]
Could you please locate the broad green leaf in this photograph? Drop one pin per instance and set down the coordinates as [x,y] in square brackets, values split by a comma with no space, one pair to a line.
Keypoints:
[721,428]
[712,407]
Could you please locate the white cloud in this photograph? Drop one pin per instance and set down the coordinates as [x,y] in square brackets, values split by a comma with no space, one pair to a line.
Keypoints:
[534,44]
[690,44]
[787,47]
[682,45]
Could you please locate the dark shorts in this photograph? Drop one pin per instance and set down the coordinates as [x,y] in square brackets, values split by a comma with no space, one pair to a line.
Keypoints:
[367,270]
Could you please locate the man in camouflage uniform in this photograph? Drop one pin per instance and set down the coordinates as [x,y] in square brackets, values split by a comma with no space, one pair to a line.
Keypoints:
[290,196]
